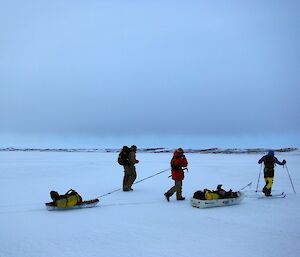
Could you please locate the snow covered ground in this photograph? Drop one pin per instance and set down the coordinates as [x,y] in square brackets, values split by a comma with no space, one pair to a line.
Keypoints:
[141,223]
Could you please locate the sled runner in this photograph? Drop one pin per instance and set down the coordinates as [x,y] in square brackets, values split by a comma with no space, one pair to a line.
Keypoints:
[51,206]
[218,202]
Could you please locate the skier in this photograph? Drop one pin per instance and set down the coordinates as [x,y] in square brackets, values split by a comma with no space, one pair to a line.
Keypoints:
[130,170]
[178,164]
[269,161]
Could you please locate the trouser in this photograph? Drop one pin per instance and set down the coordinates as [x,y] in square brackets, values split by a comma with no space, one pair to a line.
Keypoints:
[129,177]
[176,188]
[268,186]
[125,178]
[268,175]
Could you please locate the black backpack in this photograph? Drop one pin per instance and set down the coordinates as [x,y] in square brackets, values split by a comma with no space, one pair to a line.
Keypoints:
[123,158]
[269,162]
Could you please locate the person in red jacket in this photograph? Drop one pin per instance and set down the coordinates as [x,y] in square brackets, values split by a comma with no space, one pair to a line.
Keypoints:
[178,164]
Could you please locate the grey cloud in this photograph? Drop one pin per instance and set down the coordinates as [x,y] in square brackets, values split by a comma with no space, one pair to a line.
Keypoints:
[122,67]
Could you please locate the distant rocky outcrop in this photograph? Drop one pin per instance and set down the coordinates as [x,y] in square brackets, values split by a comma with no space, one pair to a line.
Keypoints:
[155,150]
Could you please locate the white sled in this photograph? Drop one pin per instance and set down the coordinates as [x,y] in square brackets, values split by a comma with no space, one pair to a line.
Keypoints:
[217,203]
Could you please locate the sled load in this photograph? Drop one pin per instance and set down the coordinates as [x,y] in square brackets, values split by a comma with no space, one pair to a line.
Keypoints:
[70,200]
[217,198]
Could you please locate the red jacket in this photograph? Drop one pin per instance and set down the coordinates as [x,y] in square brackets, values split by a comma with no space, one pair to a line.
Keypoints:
[178,162]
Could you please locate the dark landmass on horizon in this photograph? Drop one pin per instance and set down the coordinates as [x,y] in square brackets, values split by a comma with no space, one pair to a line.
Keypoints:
[154,150]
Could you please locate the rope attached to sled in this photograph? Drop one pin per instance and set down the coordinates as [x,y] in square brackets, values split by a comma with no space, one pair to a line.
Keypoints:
[116,190]
[248,185]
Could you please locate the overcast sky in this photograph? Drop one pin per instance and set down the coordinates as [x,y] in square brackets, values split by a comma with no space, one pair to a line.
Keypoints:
[159,73]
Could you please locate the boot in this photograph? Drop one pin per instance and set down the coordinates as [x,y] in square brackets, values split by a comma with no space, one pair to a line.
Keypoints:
[266,191]
[167,195]
[179,196]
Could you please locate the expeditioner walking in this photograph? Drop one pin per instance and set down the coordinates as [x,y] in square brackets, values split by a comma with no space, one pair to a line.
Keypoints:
[123,159]
[269,161]
[130,169]
[128,160]
[178,164]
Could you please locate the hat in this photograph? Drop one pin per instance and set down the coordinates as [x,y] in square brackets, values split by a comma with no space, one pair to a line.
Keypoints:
[271,153]
[133,147]
[180,150]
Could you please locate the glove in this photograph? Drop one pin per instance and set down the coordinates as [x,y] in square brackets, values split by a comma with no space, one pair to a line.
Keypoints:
[284,162]
[259,162]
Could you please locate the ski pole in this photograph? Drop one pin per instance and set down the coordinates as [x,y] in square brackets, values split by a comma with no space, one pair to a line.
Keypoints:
[258,177]
[290,178]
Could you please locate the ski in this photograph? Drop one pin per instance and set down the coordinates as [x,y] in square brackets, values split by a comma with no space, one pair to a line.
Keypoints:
[259,195]
[282,195]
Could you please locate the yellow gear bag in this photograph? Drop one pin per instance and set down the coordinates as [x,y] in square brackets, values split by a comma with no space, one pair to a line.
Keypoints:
[68,201]
[211,196]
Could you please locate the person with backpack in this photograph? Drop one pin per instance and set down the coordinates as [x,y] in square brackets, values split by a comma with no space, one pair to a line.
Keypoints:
[269,161]
[131,170]
[129,161]
[178,164]
[123,159]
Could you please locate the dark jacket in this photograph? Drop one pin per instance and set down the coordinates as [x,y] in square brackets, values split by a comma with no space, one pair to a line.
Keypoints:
[269,161]
[132,158]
